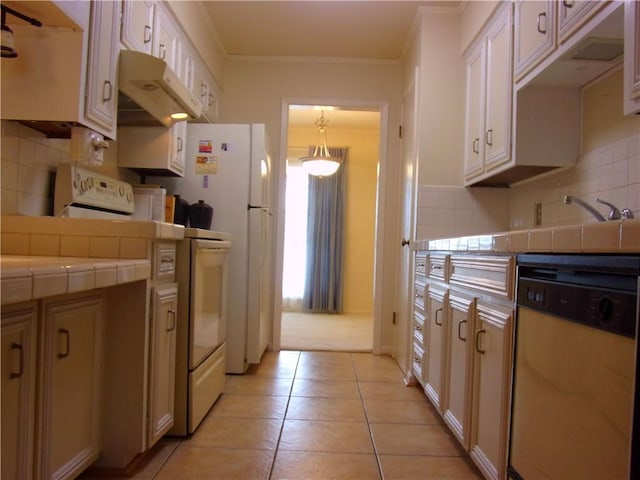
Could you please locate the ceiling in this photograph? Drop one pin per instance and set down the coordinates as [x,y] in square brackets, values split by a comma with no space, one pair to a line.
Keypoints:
[330,28]
[355,30]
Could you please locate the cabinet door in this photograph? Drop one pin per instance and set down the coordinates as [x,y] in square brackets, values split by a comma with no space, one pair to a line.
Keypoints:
[436,328]
[162,360]
[498,112]
[572,14]
[474,127]
[71,386]
[137,24]
[18,391]
[178,138]
[491,392]
[102,83]
[631,57]
[535,34]
[459,361]
[165,42]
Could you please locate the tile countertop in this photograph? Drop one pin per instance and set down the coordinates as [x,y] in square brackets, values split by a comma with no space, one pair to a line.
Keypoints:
[79,237]
[605,237]
[27,278]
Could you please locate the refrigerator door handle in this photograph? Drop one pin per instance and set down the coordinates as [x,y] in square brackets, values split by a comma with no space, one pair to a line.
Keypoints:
[259,207]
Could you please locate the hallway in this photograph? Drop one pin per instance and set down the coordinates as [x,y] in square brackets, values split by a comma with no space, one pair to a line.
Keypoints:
[316,415]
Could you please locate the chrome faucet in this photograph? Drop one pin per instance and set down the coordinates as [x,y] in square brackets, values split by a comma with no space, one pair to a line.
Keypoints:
[571,199]
[614,214]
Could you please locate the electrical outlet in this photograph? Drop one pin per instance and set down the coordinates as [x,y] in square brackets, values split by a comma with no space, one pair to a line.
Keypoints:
[538,214]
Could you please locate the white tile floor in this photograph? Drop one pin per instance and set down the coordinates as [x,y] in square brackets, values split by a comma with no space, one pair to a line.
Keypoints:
[315,415]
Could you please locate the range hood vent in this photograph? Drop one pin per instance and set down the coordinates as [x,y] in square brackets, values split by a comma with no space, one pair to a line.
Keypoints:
[150,92]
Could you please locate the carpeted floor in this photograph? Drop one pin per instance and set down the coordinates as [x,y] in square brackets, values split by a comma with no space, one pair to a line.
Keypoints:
[316,331]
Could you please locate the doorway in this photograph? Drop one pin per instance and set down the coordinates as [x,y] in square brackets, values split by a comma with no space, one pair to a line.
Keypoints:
[358,130]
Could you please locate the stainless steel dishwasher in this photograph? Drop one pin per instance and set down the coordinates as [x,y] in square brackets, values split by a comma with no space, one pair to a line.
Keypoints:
[575,368]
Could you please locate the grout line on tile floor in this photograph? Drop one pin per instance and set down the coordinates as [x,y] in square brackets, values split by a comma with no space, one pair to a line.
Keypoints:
[284,417]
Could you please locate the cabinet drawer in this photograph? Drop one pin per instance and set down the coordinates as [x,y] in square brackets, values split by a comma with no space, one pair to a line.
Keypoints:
[421,263]
[418,296]
[418,329]
[489,274]
[416,362]
[438,266]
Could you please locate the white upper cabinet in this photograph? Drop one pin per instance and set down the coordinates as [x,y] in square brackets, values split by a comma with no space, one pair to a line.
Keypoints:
[489,83]
[572,14]
[102,84]
[535,34]
[631,57]
[207,90]
[137,24]
[66,76]
[166,41]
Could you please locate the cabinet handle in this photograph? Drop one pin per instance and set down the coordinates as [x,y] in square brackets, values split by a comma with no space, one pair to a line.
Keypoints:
[420,265]
[478,341]
[568,3]
[20,348]
[488,137]
[67,336]
[211,99]
[107,91]
[436,317]
[163,51]
[147,33]
[172,314]
[460,337]
[541,29]
[418,328]
[180,144]
[203,90]
[436,267]
[405,242]
[476,145]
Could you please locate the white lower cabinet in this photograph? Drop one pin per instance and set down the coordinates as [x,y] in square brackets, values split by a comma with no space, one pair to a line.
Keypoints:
[492,357]
[457,407]
[462,347]
[18,364]
[162,360]
[435,332]
[70,385]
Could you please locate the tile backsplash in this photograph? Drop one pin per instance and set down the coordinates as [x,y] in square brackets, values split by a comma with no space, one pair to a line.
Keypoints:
[29,162]
[611,172]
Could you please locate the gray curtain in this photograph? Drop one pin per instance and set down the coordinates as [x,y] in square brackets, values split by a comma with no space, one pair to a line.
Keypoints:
[325,240]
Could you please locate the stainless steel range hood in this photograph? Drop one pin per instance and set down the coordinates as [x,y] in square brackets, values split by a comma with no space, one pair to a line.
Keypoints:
[150,92]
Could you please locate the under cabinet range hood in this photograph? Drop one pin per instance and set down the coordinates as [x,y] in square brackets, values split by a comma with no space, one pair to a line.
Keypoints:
[150,92]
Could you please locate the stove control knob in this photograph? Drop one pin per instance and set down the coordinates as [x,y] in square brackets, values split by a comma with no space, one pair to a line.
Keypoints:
[121,191]
[604,310]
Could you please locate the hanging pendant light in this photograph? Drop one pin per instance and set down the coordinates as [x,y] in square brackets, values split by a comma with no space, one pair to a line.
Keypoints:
[321,163]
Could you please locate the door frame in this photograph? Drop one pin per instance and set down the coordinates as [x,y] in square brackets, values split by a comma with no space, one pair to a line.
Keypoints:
[379,280]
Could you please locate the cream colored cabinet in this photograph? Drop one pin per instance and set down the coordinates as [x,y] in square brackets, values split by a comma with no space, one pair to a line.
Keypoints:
[419,303]
[489,88]
[64,77]
[102,83]
[436,324]
[572,14]
[156,149]
[458,377]
[206,89]
[137,24]
[70,385]
[631,57]
[492,343]
[166,40]
[162,360]
[18,363]
[535,33]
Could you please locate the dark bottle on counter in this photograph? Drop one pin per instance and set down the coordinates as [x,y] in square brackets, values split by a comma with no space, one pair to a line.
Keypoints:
[181,215]
[200,215]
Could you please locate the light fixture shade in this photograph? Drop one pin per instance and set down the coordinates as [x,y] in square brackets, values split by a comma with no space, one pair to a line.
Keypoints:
[320,166]
[321,163]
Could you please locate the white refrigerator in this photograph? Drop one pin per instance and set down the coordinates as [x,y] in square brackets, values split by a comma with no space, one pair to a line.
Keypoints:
[228,166]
